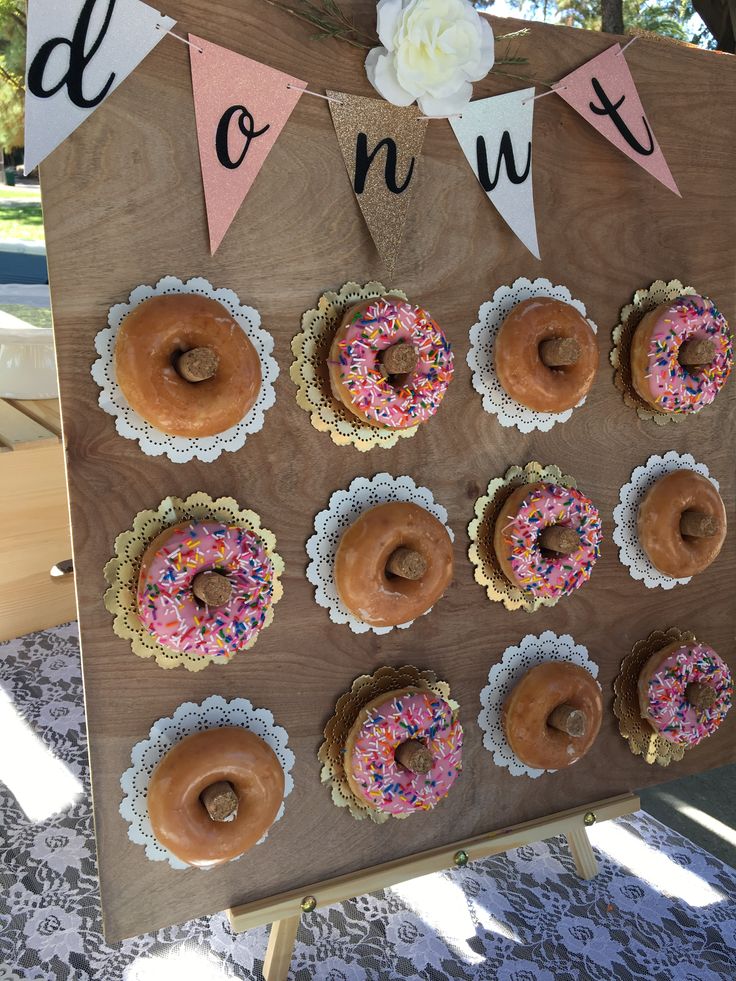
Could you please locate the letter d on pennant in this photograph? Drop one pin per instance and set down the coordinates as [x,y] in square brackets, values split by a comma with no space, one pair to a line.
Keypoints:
[77,53]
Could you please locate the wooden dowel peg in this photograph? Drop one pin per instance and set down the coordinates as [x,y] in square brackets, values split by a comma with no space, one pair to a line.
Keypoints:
[220,800]
[559,351]
[695,524]
[567,719]
[557,538]
[212,588]
[697,352]
[198,365]
[414,756]
[700,695]
[406,563]
[399,359]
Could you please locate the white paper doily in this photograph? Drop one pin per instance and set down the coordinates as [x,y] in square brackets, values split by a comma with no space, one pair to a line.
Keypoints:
[213,713]
[502,677]
[152,441]
[344,507]
[625,513]
[481,361]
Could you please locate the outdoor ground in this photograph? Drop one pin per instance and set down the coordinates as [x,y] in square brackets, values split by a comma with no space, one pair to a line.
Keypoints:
[20,213]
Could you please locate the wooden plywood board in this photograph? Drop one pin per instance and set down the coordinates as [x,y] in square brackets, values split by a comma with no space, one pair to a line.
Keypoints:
[123,205]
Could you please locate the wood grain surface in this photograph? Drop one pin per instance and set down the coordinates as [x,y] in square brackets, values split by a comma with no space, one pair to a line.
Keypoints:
[123,206]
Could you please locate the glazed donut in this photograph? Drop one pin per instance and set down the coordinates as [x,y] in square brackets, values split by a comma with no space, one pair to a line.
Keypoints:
[179,818]
[393,563]
[546,355]
[669,369]
[685,692]
[404,752]
[553,715]
[681,523]
[547,539]
[186,366]
[395,390]
[205,588]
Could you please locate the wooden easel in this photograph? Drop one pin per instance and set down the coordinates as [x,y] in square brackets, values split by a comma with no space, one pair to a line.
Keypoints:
[285,910]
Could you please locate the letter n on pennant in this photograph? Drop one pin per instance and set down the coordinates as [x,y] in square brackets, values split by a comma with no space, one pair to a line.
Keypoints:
[381,145]
[604,93]
[240,107]
[495,135]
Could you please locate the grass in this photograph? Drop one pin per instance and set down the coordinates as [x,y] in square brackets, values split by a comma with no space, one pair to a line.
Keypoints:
[23,221]
[20,191]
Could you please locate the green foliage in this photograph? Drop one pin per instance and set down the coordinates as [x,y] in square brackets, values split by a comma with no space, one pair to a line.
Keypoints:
[12,60]
[671,18]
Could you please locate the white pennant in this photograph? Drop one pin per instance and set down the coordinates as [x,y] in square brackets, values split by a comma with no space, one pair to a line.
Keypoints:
[495,135]
[77,53]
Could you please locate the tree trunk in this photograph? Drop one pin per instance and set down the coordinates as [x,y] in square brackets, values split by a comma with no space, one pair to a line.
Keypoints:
[612,16]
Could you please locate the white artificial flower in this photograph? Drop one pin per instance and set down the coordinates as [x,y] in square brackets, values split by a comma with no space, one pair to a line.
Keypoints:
[432,51]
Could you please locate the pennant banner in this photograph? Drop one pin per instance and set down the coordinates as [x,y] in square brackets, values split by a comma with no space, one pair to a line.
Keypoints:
[381,145]
[605,94]
[495,135]
[240,107]
[76,55]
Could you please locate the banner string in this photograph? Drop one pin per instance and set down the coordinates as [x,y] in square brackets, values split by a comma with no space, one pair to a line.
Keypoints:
[627,44]
[541,95]
[327,98]
[183,39]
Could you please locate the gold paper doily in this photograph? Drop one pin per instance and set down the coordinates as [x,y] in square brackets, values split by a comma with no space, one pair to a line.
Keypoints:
[623,333]
[363,690]
[309,371]
[642,738]
[480,530]
[122,571]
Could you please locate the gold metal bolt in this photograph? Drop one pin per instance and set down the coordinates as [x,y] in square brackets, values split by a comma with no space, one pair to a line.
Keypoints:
[308,904]
[589,818]
[460,859]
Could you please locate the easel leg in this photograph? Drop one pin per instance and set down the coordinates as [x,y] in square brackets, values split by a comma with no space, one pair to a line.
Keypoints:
[582,853]
[280,948]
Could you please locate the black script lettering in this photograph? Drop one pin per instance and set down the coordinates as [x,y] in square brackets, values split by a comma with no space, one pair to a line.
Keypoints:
[608,108]
[246,125]
[79,58]
[364,159]
[505,155]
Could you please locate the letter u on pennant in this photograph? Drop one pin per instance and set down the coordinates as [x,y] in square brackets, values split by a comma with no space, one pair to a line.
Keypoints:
[495,135]
[240,107]
[604,93]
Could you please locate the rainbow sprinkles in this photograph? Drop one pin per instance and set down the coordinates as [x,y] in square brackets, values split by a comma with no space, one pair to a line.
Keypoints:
[415,398]
[174,617]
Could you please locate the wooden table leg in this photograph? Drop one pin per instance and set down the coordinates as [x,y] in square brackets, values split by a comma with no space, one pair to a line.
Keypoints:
[280,948]
[582,853]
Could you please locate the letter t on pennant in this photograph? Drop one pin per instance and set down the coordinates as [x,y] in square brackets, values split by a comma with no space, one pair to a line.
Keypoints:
[240,107]
[604,93]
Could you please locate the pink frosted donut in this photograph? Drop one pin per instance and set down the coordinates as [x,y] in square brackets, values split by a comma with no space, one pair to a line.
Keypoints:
[168,607]
[371,768]
[656,372]
[526,511]
[663,686]
[356,377]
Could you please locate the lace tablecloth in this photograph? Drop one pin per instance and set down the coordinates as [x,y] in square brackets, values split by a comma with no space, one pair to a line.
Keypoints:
[522,916]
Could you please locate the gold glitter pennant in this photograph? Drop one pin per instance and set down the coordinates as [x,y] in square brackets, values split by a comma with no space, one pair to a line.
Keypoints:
[381,145]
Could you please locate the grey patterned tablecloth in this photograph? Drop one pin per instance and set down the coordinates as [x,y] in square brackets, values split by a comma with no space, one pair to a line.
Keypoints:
[660,909]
